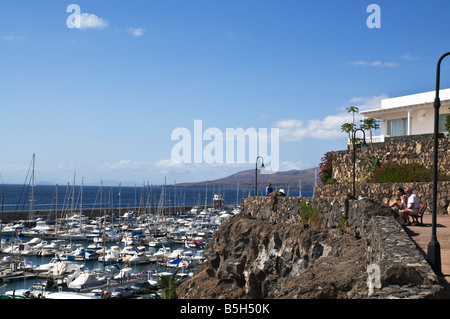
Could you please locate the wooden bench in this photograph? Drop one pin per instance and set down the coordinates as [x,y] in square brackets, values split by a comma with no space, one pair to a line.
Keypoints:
[416,218]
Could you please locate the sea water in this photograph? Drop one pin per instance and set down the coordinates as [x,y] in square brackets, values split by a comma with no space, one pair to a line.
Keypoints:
[48,197]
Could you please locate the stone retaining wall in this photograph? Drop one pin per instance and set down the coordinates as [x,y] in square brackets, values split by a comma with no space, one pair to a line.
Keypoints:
[399,150]
[404,271]
[386,192]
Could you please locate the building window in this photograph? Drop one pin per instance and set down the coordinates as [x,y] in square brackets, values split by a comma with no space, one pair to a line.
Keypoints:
[442,122]
[398,127]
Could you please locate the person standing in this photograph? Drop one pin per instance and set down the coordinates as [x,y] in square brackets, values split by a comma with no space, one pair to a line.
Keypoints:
[269,189]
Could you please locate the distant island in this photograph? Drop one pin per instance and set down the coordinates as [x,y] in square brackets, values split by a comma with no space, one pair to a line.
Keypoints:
[292,179]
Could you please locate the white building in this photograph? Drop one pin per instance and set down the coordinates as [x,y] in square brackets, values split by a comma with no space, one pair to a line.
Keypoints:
[410,114]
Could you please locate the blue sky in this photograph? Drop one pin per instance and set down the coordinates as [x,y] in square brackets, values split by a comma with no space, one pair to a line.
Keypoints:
[102,100]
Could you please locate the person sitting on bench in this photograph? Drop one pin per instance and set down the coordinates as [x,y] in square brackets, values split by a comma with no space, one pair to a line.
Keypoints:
[412,207]
[403,199]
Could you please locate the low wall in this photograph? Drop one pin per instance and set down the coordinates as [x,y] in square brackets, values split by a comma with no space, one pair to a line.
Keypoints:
[399,150]
[404,271]
[386,192]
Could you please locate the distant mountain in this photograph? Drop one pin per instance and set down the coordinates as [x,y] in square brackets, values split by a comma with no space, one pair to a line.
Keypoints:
[288,179]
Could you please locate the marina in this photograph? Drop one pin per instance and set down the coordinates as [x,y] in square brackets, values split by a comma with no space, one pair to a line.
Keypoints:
[89,242]
[79,255]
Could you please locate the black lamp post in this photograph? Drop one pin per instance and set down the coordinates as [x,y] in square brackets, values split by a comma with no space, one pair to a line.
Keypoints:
[363,147]
[256,173]
[434,249]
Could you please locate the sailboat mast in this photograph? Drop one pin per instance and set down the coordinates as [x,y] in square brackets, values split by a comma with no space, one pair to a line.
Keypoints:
[32,189]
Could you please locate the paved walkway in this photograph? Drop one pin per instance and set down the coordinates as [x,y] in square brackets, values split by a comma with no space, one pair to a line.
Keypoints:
[422,234]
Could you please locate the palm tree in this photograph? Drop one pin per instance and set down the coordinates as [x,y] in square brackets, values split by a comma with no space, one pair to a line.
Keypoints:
[370,124]
[353,109]
[447,122]
[348,128]
[168,285]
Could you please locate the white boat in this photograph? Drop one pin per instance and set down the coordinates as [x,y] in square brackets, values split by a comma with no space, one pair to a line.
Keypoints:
[65,267]
[73,236]
[96,233]
[139,256]
[10,230]
[177,263]
[21,249]
[193,211]
[86,280]
[176,253]
[46,252]
[112,254]
[67,295]
[181,277]
[162,252]
[127,250]
[34,241]
[124,273]
[132,240]
[46,267]
[95,246]
[27,250]
[154,277]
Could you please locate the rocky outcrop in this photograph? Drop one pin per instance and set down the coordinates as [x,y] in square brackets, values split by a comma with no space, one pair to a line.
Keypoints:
[258,259]
[264,252]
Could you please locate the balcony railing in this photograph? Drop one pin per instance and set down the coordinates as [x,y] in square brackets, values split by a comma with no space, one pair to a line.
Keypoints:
[375,139]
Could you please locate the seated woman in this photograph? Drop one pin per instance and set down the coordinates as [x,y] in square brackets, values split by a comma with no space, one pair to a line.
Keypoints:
[403,199]
[412,207]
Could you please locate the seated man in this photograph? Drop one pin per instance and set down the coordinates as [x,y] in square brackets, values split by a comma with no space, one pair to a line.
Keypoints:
[412,207]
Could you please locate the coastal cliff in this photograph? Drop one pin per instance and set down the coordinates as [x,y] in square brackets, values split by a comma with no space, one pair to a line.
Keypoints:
[265,252]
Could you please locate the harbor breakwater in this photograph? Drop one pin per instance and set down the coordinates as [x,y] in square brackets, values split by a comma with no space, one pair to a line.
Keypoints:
[354,249]
[15,216]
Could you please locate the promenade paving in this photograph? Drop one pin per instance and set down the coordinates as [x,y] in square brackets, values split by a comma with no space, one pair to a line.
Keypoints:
[421,235]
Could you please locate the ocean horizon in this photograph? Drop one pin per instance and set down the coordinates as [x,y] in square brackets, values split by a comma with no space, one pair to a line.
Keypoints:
[47,197]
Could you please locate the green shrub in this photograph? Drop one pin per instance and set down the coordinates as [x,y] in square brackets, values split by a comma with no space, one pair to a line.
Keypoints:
[404,173]
[310,214]
[342,225]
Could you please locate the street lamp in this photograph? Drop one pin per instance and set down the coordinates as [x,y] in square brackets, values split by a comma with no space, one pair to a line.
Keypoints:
[364,146]
[256,173]
[434,249]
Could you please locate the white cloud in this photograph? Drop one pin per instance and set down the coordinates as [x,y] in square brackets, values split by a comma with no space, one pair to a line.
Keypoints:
[368,103]
[91,21]
[374,63]
[292,130]
[66,167]
[12,37]
[136,32]
[328,128]
[126,165]
[289,165]
[409,57]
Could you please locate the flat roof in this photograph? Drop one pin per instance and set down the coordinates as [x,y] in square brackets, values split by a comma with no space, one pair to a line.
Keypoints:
[410,102]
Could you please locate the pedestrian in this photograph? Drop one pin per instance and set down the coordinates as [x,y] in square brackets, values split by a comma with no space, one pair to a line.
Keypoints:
[269,189]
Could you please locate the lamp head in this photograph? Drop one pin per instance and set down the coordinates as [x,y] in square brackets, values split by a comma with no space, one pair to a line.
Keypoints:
[364,146]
